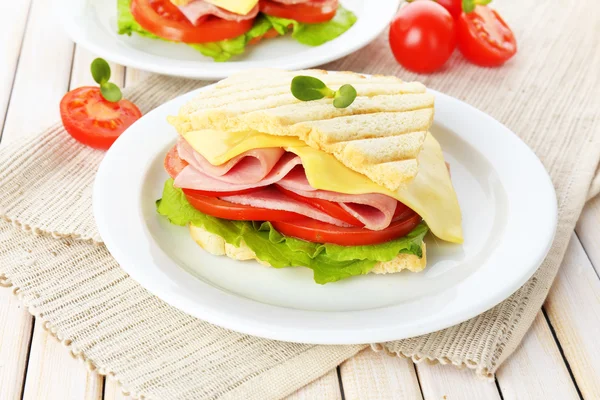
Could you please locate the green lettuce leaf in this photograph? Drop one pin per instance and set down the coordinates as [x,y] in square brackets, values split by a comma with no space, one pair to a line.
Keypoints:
[220,51]
[315,34]
[329,262]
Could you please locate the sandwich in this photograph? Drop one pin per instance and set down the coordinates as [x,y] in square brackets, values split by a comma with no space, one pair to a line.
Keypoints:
[222,29]
[258,174]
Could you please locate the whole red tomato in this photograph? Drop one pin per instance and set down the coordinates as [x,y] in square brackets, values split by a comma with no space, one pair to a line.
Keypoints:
[422,36]
[454,7]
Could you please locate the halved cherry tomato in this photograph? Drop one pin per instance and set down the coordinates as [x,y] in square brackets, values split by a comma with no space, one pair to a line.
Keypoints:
[163,18]
[422,36]
[271,33]
[94,121]
[321,232]
[484,38]
[238,212]
[328,207]
[313,12]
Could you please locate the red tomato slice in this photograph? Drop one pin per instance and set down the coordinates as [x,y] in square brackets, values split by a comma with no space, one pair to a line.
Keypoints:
[164,19]
[173,163]
[484,38]
[94,121]
[312,12]
[321,232]
[328,207]
[238,212]
[271,33]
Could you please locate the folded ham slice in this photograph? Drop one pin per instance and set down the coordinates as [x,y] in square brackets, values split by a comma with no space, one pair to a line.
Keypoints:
[265,167]
[195,10]
[273,199]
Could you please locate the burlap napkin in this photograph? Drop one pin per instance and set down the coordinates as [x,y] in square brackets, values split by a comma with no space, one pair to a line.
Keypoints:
[547,94]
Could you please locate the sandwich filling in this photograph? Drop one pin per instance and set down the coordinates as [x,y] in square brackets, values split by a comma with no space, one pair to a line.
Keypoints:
[222,29]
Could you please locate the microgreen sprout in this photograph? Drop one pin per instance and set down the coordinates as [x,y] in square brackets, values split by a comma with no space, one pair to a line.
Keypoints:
[101,74]
[307,88]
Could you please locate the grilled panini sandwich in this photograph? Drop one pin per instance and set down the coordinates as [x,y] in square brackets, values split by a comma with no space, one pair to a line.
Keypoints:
[259,174]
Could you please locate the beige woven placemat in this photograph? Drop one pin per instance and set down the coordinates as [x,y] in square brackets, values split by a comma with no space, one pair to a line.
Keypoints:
[548,95]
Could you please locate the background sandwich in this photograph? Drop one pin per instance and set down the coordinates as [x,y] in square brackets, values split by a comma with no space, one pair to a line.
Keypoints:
[259,174]
[223,28]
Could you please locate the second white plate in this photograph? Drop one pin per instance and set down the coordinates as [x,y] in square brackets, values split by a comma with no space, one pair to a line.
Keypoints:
[509,219]
[93,25]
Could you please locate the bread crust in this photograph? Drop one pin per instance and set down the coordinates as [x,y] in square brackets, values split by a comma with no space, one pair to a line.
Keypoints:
[216,245]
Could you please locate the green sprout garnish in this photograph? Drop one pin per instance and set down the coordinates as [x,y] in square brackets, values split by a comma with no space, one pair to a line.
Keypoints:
[308,88]
[469,5]
[101,73]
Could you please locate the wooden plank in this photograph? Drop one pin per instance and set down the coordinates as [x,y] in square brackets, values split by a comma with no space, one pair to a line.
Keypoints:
[325,388]
[112,390]
[536,370]
[54,374]
[15,336]
[573,308]
[13,19]
[377,375]
[448,382]
[588,231]
[43,73]
[133,76]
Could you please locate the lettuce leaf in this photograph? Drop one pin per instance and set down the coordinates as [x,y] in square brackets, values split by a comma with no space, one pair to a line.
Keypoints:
[315,34]
[329,262]
[220,51]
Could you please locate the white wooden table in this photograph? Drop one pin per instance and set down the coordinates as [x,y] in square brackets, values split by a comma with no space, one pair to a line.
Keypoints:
[558,359]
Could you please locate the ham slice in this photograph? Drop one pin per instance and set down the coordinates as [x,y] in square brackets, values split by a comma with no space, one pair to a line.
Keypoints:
[273,199]
[192,178]
[195,10]
[250,167]
[260,168]
[374,210]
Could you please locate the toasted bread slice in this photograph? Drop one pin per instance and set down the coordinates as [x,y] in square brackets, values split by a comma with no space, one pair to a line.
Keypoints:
[216,245]
[380,135]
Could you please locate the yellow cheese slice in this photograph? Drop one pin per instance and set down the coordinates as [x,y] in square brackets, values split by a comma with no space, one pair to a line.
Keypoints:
[430,193]
[241,7]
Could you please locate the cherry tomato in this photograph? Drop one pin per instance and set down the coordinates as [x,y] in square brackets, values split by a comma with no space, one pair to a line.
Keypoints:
[163,18]
[311,12]
[238,212]
[454,7]
[328,207]
[484,38]
[94,121]
[422,36]
[321,232]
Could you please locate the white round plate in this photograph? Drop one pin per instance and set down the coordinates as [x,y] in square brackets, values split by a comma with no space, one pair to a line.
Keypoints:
[93,25]
[509,218]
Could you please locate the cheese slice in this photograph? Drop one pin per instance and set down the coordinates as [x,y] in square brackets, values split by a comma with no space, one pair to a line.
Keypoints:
[430,193]
[241,7]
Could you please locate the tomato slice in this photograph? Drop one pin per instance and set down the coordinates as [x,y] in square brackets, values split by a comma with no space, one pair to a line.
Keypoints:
[484,38]
[238,212]
[329,207]
[321,232]
[94,121]
[173,163]
[313,12]
[164,19]
[271,33]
